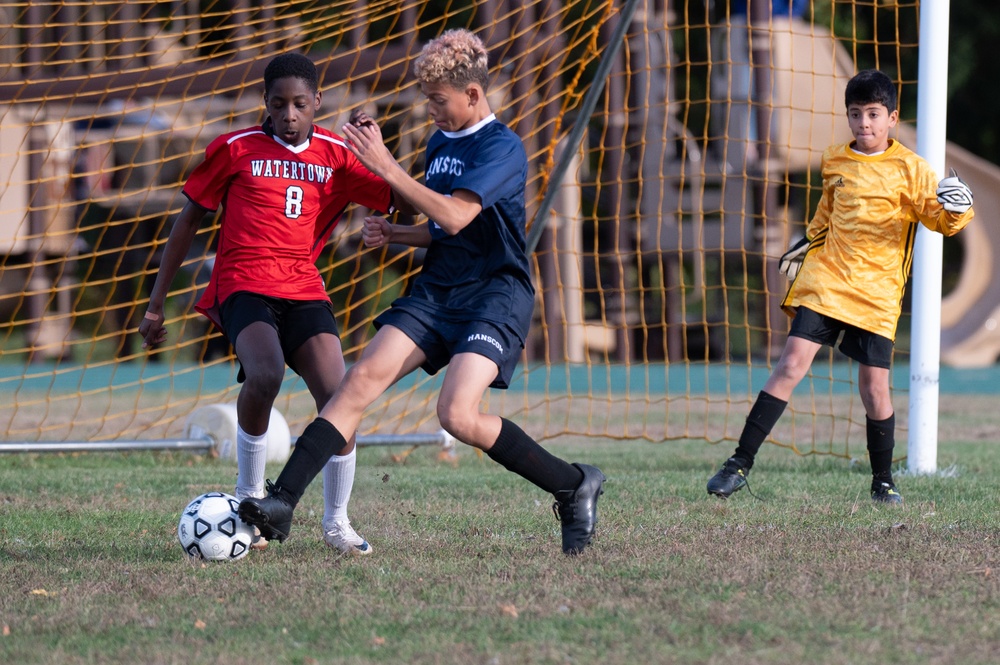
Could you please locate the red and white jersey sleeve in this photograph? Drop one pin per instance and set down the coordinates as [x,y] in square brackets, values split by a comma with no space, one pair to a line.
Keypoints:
[279,204]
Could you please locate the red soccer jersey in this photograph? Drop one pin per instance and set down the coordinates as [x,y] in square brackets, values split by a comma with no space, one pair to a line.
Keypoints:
[280,204]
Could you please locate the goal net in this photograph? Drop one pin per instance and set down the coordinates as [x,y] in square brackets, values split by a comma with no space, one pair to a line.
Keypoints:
[656,263]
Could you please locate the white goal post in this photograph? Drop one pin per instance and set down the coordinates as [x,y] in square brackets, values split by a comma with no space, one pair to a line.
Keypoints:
[925,351]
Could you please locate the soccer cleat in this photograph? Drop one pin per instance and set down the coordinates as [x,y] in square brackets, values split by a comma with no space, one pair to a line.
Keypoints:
[272,515]
[577,510]
[883,492]
[732,477]
[258,542]
[343,538]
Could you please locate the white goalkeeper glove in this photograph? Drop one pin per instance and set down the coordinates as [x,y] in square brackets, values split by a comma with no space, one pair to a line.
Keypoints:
[791,260]
[954,194]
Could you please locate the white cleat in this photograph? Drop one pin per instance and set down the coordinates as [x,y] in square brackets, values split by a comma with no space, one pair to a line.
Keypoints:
[343,538]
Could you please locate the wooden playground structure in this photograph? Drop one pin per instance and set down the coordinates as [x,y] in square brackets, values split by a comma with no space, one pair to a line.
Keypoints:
[695,199]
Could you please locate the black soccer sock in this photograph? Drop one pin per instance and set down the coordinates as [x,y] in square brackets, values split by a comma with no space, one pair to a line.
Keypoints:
[881,441]
[518,452]
[318,443]
[763,415]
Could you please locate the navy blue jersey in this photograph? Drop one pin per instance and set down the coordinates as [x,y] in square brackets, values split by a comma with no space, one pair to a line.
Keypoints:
[480,273]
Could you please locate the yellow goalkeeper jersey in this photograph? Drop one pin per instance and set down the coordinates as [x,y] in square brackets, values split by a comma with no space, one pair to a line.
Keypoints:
[861,237]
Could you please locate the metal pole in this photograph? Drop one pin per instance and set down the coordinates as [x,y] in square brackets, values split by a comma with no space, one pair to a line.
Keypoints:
[925,351]
[439,438]
[580,126]
[104,446]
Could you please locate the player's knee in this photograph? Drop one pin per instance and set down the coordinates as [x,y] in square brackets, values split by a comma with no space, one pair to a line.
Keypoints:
[873,387]
[876,399]
[456,421]
[792,368]
[263,385]
[360,387]
[359,375]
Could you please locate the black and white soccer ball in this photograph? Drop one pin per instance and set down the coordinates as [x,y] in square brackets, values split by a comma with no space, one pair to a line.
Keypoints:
[211,529]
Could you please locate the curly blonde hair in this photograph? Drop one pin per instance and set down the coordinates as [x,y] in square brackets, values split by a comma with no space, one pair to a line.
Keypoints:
[456,58]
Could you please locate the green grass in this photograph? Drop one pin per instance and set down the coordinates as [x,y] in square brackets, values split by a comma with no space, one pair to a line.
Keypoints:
[467,565]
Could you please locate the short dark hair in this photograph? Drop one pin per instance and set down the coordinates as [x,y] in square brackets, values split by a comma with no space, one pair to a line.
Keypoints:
[871,86]
[291,65]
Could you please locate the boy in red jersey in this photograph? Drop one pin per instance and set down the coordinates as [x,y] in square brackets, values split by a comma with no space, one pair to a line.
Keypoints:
[854,262]
[283,187]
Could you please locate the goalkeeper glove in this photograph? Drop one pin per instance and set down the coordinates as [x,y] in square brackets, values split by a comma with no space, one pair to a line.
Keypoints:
[954,194]
[791,260]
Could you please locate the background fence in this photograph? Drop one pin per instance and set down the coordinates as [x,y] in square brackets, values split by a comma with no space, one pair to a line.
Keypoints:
[657,273]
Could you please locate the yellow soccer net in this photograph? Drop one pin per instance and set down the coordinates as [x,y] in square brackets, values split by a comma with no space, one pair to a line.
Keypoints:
[656,257]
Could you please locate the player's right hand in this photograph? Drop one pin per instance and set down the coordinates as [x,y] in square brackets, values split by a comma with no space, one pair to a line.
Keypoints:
[360,119]
[364,140]
[791,261]
[376,231]
[151,329]
[954,195]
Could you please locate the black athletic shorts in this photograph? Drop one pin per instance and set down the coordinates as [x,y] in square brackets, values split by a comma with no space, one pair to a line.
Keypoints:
[861,345]
[295,321]
[441,339]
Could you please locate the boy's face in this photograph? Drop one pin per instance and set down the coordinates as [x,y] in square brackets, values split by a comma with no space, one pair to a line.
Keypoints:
[870,124]
[292,106]
[450,108]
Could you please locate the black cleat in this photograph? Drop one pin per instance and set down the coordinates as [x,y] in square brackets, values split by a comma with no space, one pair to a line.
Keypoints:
[732,477]
[883,492]
[578,510]
[272,515]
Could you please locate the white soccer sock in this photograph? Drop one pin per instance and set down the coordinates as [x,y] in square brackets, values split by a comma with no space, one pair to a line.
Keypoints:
[251,457]
[338,483]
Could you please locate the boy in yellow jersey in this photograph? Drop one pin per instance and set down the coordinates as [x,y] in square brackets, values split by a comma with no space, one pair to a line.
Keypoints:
[848,274]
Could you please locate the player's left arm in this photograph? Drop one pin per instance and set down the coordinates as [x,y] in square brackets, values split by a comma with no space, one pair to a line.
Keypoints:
[950,210]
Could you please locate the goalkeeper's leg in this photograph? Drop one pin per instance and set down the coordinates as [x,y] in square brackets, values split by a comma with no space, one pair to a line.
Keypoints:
[796,358]
[795,361]
[880,428]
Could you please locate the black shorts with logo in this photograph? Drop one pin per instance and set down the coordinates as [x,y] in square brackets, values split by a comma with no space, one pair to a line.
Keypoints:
[861,345]
[295,321]
[441,339]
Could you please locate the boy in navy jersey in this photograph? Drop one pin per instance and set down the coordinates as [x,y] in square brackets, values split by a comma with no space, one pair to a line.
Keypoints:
[283,187]
[469,308]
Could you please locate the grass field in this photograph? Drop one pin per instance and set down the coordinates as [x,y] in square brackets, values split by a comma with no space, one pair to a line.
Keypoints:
[467,566]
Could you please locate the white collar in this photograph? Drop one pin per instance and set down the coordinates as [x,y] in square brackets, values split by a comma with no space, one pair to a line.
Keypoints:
[867,154]
[294,148]
[471,130]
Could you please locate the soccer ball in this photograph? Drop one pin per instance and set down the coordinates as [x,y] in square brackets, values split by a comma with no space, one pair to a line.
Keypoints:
[211,529]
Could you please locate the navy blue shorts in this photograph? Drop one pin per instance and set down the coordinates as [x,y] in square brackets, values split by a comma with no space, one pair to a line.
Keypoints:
[295,321]
[861,345]
[441,339]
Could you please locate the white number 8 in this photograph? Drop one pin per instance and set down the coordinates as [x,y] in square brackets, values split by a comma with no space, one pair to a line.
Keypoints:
[293,202]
